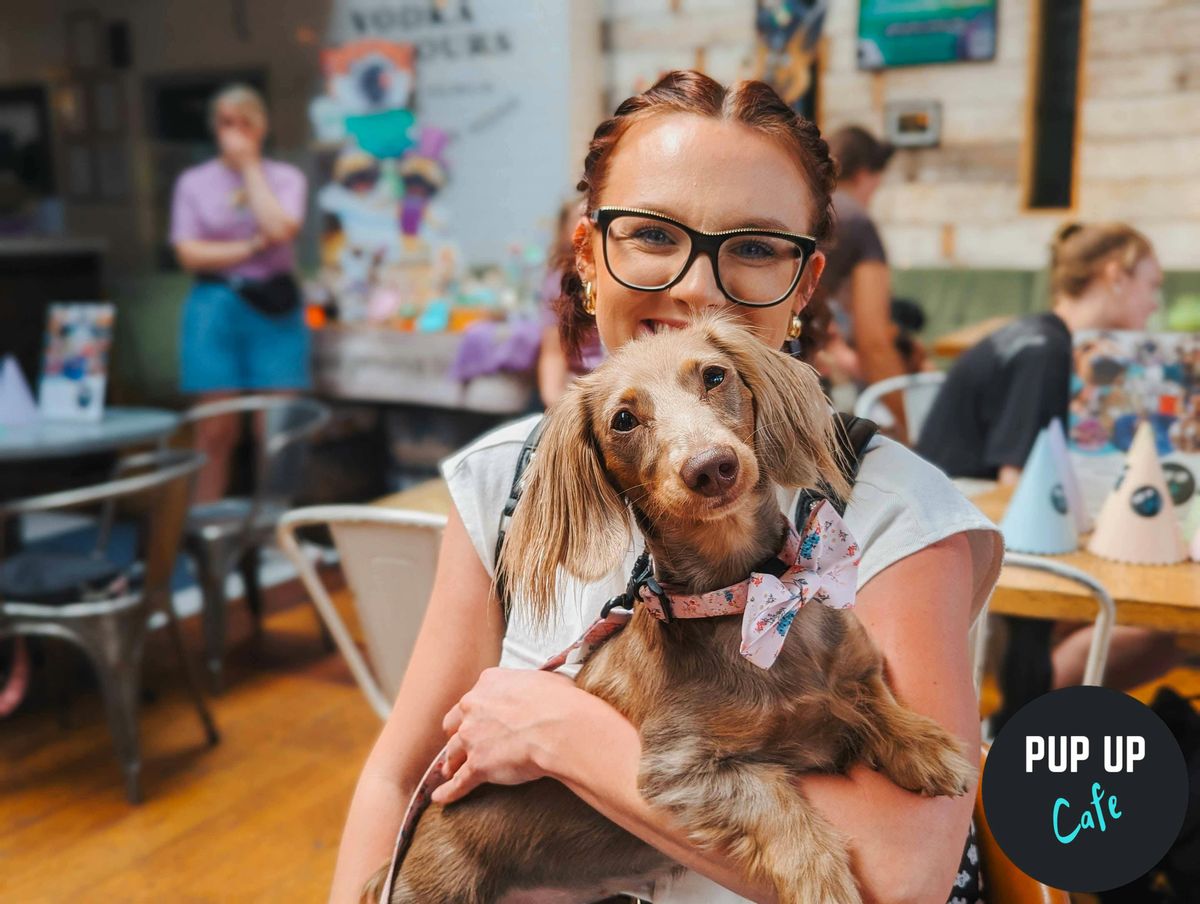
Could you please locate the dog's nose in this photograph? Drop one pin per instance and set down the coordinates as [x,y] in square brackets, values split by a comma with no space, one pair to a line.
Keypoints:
[711,472]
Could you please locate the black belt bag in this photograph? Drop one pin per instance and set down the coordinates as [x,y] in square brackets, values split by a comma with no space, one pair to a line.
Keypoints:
[277,295]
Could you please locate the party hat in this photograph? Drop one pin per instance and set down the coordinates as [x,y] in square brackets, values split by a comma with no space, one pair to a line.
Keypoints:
[16,401]
[1138,524]
[1191,526]
[1039,518]
[1066,471]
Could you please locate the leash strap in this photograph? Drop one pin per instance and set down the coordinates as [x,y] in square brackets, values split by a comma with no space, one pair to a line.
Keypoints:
[616,615]
[853,434]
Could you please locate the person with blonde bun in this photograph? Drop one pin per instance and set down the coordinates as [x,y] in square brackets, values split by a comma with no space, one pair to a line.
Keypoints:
[1001,393]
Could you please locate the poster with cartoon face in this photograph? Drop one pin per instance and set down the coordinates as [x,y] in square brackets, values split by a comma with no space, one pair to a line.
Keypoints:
[1124,379]
[75,364]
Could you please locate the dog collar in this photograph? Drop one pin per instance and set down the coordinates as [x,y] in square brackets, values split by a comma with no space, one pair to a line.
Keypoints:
[821,564]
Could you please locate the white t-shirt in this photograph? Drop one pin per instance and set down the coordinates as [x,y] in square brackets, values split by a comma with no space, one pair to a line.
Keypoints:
[900,504]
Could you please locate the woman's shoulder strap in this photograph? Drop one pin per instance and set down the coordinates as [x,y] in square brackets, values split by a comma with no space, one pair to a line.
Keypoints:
[514,492]
[853,435]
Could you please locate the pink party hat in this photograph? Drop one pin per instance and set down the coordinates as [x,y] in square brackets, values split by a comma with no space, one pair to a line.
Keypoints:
[1039,518]
[1138,524]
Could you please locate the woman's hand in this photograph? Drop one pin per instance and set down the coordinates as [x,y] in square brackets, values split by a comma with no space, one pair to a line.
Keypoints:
[506,729]
[240,148]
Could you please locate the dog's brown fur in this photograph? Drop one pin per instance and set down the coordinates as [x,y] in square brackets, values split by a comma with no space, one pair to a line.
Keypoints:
[723,740]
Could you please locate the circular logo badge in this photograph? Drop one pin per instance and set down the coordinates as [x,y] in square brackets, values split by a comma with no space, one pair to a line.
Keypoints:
[1058,499]
[1180,482]
[1085,789]
[1146,501]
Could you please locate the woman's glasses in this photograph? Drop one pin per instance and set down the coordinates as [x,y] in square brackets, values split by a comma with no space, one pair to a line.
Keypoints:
[651,252]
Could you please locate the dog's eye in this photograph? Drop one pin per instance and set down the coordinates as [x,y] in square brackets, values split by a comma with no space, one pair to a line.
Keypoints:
[713,377]
[624,421]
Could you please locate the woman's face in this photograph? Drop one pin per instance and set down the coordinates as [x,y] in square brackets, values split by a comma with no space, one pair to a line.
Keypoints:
[712,176]
[233,118]
[1137,294]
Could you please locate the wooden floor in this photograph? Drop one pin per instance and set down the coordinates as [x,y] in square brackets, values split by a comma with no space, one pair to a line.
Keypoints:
[256,818]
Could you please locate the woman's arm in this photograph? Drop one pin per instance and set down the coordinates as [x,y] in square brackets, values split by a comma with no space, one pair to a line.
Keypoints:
[905,848]
[275,222]
[459,638]
[204,256]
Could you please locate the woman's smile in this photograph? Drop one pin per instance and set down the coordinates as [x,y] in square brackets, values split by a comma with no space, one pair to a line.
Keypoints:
[649,326]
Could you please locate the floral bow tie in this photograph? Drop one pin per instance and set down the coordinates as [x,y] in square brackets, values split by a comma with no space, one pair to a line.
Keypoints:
[824,568]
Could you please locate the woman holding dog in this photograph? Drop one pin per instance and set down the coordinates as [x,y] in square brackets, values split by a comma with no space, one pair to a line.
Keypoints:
[701,159]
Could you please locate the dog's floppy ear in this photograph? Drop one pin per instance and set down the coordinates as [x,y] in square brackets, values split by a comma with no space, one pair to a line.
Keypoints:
[793,424]
[568,515]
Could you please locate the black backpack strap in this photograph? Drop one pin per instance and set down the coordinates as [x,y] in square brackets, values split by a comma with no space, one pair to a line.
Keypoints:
[514,496]
[853,434]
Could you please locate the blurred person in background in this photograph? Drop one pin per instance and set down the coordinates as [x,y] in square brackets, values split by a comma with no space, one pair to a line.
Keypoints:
[1001,393]
[234,221]
[555,368]
[857,284]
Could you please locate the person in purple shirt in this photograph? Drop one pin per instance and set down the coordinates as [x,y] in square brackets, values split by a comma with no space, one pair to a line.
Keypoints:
[234,221]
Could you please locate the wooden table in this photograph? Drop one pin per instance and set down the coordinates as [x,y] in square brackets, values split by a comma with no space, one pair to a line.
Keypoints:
[1165,597]
[953,344]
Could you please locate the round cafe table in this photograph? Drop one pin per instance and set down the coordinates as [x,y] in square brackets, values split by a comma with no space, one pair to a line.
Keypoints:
[117,428]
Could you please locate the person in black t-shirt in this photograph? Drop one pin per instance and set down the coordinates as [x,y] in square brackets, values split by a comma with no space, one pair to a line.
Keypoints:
[1003,391]
[998,396]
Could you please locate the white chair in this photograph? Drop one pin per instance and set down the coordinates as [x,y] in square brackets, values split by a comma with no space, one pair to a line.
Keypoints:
[1106,618]
[919,392]
[388,557]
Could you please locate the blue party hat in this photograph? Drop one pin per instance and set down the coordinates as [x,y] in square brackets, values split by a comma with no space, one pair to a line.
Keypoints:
[1039,518]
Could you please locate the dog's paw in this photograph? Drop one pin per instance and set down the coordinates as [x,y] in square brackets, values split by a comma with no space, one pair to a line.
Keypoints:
[831,886]
[929,763]
[944,773]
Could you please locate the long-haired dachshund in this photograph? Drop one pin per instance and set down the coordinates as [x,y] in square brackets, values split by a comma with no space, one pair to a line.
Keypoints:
[687,432]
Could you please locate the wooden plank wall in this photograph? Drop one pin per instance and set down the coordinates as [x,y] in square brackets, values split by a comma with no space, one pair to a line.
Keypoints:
[962,204]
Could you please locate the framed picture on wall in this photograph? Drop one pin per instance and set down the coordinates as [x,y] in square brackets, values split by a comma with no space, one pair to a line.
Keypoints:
[915,32]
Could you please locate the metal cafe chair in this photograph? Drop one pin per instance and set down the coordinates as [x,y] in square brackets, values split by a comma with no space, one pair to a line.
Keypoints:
[388,557]
[228,533]
[100,607]
[919,391]
[1106,617]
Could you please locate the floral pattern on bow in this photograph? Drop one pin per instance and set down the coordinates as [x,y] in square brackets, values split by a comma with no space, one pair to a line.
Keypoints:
[824,568]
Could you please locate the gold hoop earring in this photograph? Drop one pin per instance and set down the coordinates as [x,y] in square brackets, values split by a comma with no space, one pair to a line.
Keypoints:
[795,327]
[589,299]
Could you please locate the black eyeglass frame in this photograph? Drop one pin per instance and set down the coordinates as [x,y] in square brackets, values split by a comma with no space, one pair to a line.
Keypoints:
[707,243]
